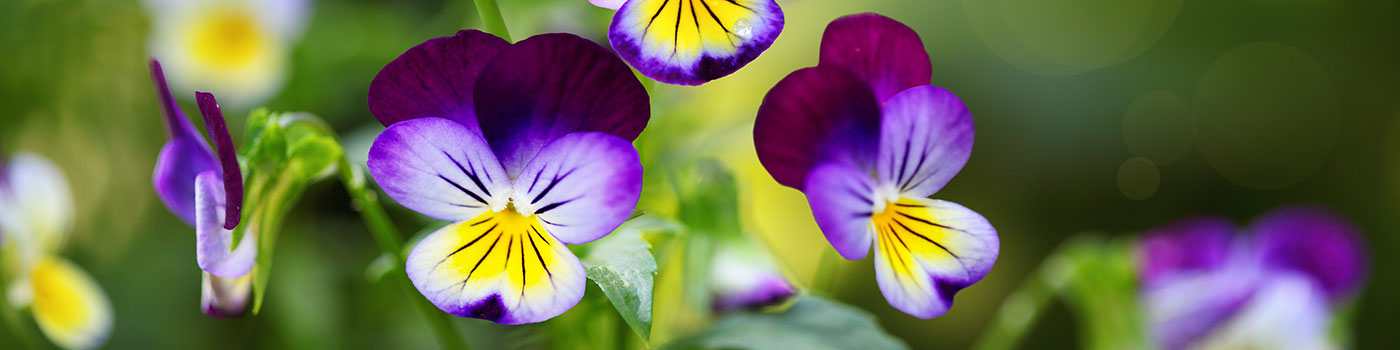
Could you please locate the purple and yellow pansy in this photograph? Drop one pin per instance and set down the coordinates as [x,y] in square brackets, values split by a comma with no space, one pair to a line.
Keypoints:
[691,42]
[525,147]
[868,140]
[205,189]
[1205,287]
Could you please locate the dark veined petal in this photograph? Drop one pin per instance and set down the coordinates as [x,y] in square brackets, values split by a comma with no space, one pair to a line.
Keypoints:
[927,250]
[438,168]
[228,159]
[500,266]
[215,250]
[1316,242]
[182,158]
[842,198]
[925,139]
[1187,246]
[69,306]
[434,79]
[812,116]
[886,54]
[551,85]
[581,186]
[691,42]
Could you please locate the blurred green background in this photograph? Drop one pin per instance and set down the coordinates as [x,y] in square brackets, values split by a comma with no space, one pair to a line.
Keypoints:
[1091,116]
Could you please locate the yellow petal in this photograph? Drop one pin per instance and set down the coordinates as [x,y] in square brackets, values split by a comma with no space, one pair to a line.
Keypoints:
[70,307]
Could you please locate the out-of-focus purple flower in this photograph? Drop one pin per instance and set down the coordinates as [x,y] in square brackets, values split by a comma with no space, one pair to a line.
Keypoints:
[743,276]
[692,42]
[1205,287]
[868,140]
[526,147]
[205,189]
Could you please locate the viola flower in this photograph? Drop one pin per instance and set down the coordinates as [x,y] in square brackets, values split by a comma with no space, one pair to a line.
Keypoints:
[525,147]
[36,212]
[206,191]
[1205,287]
[742,275]
[866,138]
[238,49]
[692,42]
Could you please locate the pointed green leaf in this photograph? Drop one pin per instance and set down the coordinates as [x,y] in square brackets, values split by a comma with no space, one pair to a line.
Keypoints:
[622,266]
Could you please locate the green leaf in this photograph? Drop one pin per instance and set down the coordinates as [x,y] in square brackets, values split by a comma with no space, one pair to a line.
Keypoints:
[812,323]
[257,122]
[269,150]
[623,267]
[315,156]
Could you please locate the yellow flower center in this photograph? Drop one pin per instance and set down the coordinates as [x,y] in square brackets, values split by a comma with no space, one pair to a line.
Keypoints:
[227,38]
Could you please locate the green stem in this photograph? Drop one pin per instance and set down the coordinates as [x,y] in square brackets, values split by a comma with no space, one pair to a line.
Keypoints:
[491,17]
[1019,312]
[387,237]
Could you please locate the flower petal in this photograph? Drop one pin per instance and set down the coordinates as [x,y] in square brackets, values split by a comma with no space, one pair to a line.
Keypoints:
[35,202]
[581,186]
[1184,247]
[182,158]
[228,159]
[928,250]
[693,42]
[842,197]
[215,251]
[1315,242]
[550,85]
[745,276]
[434,79]
[1188,307]
[812,116]
[69,306]
[925,139]
[500,266]
[1287,311]
[608,4]
[225,297]
[886,54]
[438,168]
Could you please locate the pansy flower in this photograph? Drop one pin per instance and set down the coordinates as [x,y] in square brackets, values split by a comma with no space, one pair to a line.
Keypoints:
[206,191]
[238,49]
[691,42]
[868,140]
[1278,287]
[525,147]
[36,212]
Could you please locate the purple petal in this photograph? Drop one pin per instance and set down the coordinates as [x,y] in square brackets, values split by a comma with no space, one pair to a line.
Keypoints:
[745,276]
[434,79]
[1316,242]
[179,162]
[928,250]
[842,197]
[225,297]
[925,139]
[1184,247]
[438,168]
[233,176]
[1185,309]
[1287,311]
[510,271]
[608,4]
[550,85]
[812,116]
[886,54]
[215,250]
[182,158]
[581,186]
[693,42]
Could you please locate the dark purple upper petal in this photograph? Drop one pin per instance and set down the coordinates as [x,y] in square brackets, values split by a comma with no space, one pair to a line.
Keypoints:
[1316,242]
[1189,245]
[182,158]
[434,79]
[232,175]
[884,53]
[812,116]
[551,85]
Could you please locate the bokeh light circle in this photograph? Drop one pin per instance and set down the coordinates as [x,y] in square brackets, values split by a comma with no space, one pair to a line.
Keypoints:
[1062,38]
[1265,115]
[1157,126]
[1138,178]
